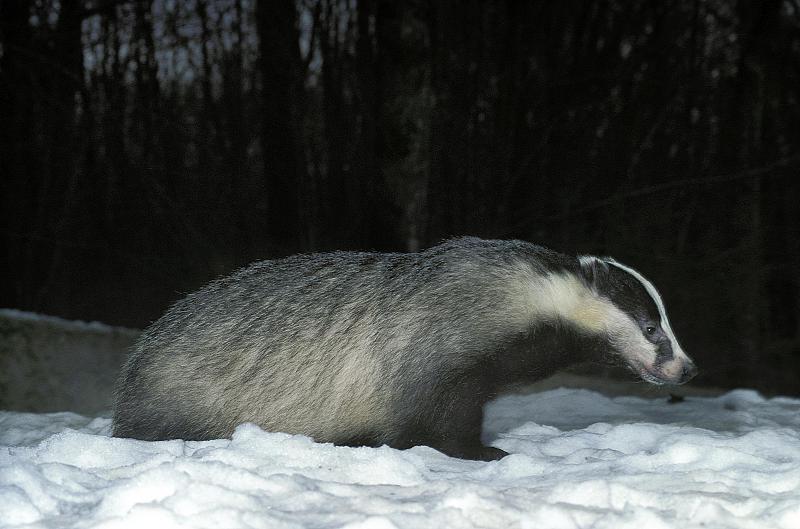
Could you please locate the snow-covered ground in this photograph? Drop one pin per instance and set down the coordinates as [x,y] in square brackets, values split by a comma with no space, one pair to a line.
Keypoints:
[579,459]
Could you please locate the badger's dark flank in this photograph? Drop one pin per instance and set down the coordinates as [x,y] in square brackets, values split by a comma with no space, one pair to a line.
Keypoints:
[396,349]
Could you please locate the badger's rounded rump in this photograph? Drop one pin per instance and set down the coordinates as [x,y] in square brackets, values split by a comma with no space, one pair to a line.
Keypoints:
[398,349]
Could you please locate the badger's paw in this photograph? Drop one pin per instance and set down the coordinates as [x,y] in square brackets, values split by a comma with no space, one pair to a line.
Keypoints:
[477,452]
[490,453]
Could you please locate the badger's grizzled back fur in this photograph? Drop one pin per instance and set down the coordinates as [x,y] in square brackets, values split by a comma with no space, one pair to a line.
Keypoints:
[397,349]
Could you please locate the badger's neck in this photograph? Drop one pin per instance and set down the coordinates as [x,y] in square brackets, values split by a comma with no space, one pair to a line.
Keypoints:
[547,347]
[562,322]
[557,296]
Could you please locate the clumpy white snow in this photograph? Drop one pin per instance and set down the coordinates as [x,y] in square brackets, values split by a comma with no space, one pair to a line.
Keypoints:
[579,459]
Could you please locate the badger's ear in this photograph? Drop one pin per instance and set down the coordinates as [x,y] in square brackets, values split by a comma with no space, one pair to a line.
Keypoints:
[593,269]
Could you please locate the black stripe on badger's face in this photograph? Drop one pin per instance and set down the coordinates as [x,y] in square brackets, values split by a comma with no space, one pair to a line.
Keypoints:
[639,331]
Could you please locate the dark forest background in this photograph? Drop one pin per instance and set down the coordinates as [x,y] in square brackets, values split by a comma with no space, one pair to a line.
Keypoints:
[149,146]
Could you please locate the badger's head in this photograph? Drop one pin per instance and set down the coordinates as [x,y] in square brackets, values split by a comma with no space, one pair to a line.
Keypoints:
[628,310]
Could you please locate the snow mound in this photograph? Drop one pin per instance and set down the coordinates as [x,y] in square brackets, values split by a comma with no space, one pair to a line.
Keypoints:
[578,460]
[64,324]
[74,364]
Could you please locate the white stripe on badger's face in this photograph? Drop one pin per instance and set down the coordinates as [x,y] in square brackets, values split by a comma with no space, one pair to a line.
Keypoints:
[656,297]
[673,368]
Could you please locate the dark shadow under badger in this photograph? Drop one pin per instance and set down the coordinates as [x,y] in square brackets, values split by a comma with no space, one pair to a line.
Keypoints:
[397,349]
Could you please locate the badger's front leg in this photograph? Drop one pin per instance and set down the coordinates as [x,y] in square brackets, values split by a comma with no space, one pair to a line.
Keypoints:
[450,419]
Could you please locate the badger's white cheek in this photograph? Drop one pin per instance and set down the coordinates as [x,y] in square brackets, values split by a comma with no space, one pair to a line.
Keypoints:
[628,340]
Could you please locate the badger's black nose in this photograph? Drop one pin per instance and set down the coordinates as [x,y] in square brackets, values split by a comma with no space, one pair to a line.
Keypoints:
[689,372]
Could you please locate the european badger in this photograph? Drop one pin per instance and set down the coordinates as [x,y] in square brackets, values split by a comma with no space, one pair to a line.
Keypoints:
[397,349]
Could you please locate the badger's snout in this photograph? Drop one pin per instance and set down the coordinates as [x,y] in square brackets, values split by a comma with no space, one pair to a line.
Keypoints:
[678,371]
[689,372]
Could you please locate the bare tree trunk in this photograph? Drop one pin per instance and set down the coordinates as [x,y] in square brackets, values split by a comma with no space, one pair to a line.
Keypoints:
[336,209]
[280,66]
[113,120]
[759,19]
[207,132]
[17,157]
[65,85]
[376,213]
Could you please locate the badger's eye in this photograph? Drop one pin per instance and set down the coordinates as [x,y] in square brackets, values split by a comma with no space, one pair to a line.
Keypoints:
[650,329]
